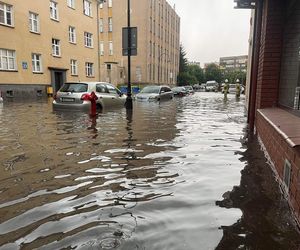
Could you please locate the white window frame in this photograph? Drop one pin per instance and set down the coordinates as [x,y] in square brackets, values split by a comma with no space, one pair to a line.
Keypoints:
[101,48]
[101,25]
[87,8]
[36,63]
[71,3]
[74,67]
[8,14]
[109,3]
[34,22]
[110,24]
[89,69]
[8,60]
[72,34]
[54,10]
[56,47]
[111,48]
[88,40]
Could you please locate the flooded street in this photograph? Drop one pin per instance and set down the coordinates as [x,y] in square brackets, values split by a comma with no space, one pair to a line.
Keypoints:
[157,178]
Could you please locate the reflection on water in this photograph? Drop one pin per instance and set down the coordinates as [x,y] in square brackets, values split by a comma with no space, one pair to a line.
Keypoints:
[146,179]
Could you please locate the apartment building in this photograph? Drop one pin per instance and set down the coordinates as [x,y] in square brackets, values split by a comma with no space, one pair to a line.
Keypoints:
[231,63]
[45,43]
[158,29]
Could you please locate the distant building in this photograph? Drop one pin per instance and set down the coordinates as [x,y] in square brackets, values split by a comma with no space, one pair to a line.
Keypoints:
[158,43]
[194,63]
[232,63]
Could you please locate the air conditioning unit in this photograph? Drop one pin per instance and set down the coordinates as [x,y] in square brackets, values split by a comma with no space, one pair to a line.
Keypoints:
[297,99]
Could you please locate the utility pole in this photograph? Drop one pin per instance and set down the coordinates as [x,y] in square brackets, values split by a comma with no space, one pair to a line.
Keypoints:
[128,103]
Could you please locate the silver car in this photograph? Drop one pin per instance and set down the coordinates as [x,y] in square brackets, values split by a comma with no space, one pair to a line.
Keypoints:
[71,95]
[155,93]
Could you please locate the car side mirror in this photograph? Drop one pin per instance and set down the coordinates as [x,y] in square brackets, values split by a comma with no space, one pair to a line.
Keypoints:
[162,91]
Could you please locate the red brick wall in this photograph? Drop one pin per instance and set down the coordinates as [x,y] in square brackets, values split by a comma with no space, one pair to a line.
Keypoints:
[279,150]
[270,54]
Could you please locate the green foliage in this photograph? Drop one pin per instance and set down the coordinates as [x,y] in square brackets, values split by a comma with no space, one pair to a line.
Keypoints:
[182,60]
[192,74]
[213,72]
[232,76]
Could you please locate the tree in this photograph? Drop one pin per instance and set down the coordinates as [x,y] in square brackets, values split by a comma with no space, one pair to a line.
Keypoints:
[197,72]
[183,62]
[183,76]
[213,72]
[232,76]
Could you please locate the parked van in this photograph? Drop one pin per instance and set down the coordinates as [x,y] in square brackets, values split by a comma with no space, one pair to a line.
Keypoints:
[211,86]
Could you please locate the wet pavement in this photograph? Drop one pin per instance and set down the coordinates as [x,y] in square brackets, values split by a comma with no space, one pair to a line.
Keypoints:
[173,175]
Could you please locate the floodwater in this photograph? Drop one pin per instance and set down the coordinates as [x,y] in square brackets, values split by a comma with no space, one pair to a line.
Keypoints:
[174,175]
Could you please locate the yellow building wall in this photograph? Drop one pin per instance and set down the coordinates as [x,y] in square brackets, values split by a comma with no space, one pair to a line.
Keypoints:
[24,42]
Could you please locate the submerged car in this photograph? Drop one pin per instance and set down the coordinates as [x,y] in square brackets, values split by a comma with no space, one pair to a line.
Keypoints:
[179,91]
[72,96]
[189,89]
[155,93]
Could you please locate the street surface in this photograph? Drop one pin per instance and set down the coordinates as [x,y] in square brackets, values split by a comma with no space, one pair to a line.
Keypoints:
[175,175]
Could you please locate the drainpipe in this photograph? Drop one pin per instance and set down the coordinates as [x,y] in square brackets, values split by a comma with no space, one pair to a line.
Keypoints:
[255,64]
[98,37]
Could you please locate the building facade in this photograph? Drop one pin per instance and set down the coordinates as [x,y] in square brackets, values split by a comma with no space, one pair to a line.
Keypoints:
[48,42]
[274,110]
[158,32]
[45,43]
[233,63]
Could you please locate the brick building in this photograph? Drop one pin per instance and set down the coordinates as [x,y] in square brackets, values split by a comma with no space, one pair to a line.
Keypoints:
[274,111]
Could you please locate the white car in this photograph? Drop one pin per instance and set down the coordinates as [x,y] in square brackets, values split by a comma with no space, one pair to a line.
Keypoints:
[1,98]
[72,96]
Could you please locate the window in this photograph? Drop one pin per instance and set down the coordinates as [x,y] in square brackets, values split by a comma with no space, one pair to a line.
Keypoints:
[87,8]
[101,48]
[55,47]
[74,69]
[53,10]
[290,64]
[109,3]
[72,34]
[88,39]
[34,22]
[6,14]
[36,62]
[89,69]
[71,3]
[111,51]
[110,24]
[101,25]
[7,59]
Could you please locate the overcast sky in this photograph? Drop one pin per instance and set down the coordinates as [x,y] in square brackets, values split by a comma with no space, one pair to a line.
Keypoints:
[211,29]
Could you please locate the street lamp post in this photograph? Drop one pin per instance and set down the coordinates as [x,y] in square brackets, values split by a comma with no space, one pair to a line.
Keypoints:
[128,103]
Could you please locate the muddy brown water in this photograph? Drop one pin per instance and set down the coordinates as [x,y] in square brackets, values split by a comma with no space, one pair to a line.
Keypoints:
[172,175]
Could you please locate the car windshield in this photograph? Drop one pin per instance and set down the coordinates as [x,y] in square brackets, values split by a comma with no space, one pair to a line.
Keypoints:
[151,90]
[210,84]
[74,87]
[188,87]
